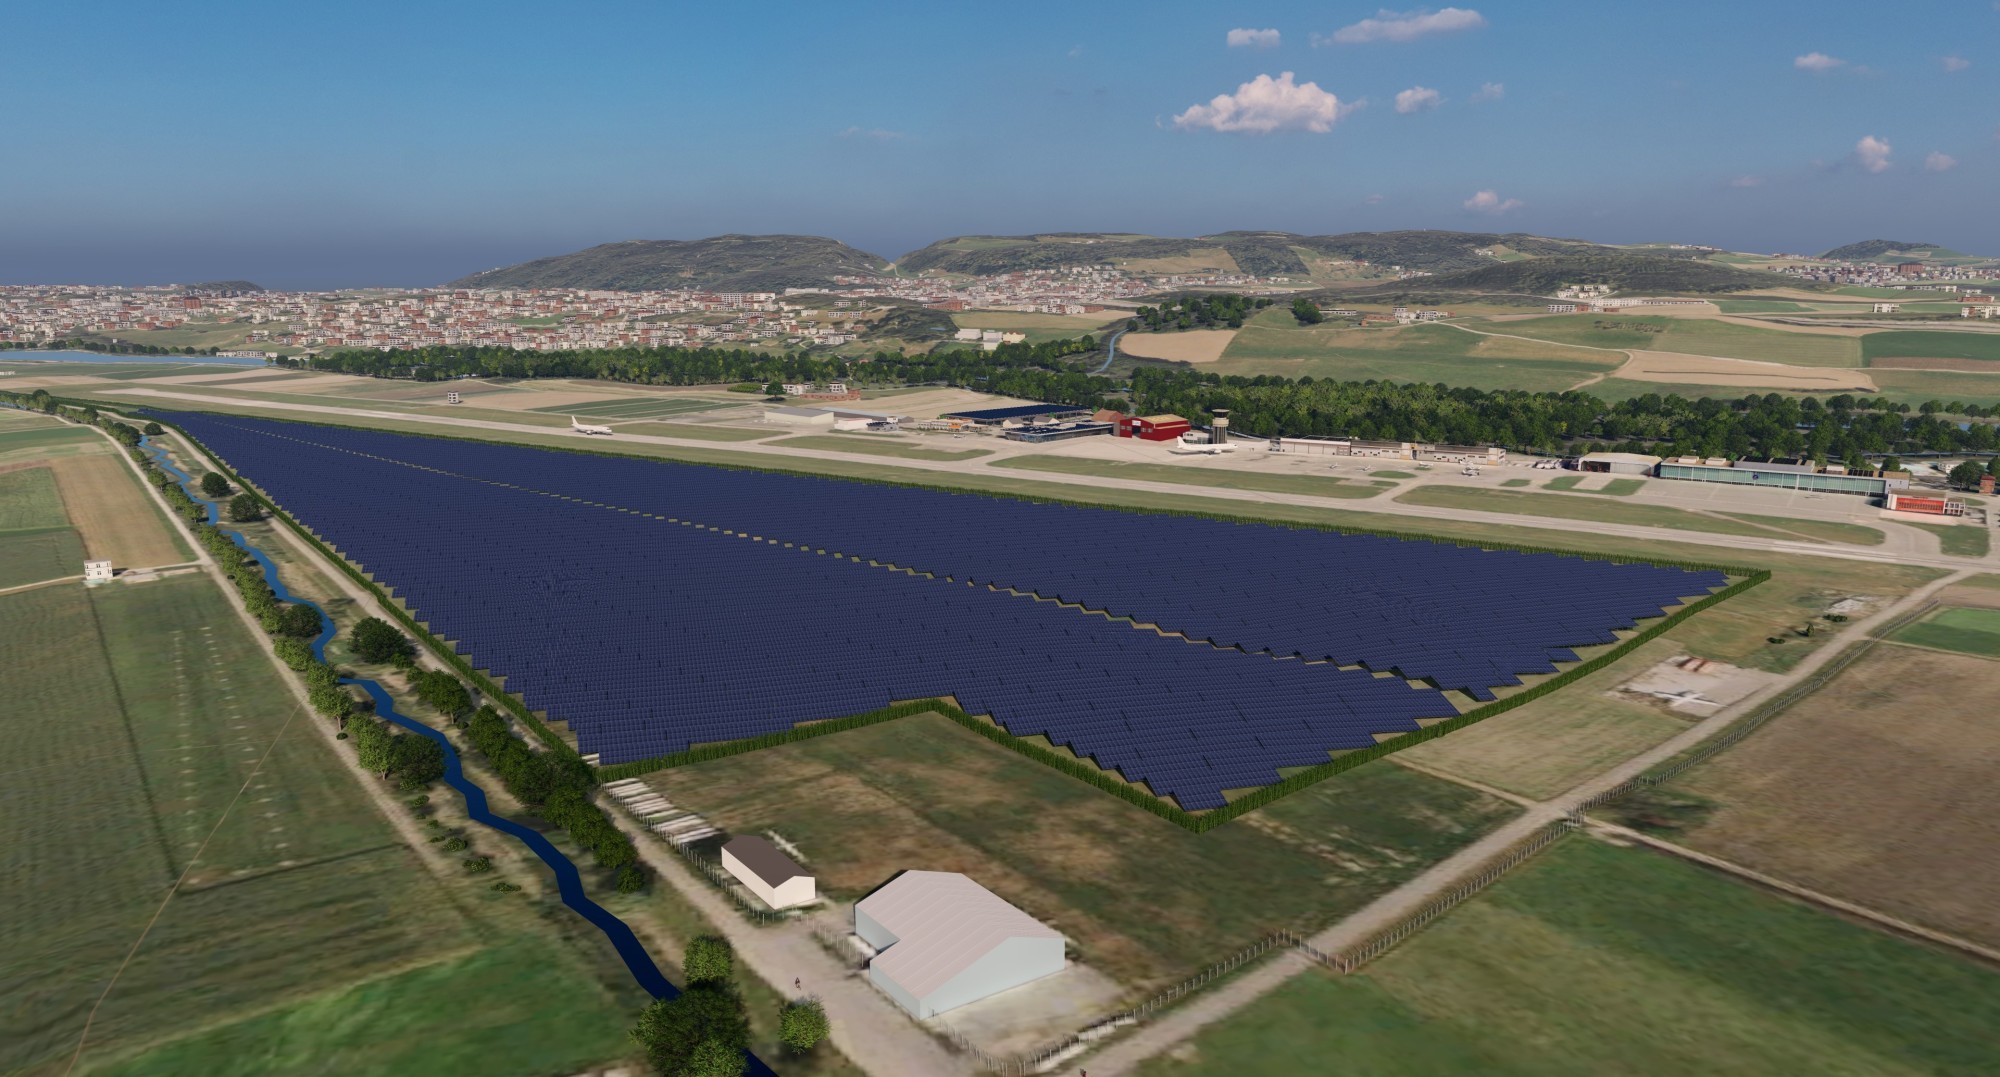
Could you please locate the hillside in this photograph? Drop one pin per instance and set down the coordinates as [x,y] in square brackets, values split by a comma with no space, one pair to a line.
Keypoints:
[1869,249]
[1628,273]
[729,263]
[1261,253]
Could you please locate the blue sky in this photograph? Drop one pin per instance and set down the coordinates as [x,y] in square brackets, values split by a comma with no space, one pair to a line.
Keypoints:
[343,144]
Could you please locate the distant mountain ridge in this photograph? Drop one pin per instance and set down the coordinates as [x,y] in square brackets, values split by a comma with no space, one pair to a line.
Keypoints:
[1265,254]
[736,263]
[1629,273]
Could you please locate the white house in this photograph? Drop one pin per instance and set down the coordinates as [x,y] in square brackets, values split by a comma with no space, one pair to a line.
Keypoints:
[770,874]
[97,572]
[943,941]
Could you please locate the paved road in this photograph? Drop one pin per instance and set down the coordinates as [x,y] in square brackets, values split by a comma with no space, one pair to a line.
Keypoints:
[1390,909]
[1904,546]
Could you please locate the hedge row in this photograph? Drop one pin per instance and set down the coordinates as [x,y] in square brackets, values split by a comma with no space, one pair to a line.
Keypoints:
[1077,768]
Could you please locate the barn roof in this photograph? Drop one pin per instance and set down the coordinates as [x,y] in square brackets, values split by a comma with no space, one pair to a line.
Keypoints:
[943,923]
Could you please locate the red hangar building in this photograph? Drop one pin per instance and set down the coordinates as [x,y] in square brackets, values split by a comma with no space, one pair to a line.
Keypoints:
[1151,427]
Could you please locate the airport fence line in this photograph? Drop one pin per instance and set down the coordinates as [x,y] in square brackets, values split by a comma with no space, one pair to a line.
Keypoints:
[1674,768]
[1197,822]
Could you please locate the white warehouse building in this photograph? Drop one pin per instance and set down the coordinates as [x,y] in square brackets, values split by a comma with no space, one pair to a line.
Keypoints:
[943,941]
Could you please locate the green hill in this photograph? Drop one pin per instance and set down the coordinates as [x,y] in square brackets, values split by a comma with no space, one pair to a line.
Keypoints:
[727,263]
[1261,253]
[1630,273]
[1871,249]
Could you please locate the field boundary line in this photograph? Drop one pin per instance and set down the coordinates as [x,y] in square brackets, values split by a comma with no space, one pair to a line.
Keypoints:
[1893,924]
[84,1039]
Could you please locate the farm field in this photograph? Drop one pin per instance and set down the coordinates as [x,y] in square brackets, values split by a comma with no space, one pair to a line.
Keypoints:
[1229,478]
[36,541]
[1272,343]
[1913,387]
[1694,336]
[1591,957]
[1934,344]
[865,803]
[1962,629]
[1545,747]
[168,750]
[1828,794]
[877,445]
[118,519]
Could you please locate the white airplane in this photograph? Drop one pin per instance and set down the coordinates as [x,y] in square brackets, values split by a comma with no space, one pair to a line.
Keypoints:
[582,429]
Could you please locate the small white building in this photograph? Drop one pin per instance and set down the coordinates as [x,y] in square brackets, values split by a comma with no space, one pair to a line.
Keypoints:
[97,572]
[943,941]
[768,873]
[1618,463]
[1887,308]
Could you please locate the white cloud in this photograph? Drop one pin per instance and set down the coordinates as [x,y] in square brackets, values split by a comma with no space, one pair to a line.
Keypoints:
[1940,162]
[1417,99]
[1817,61]
[1491,91]
[1747,181]
[1405,26]
[1489,202]
[1955,63]
[1253,39]
[1265,104]
[876,133]
[1872,153]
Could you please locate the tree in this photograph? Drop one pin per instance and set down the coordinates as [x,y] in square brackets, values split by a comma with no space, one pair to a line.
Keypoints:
[213,484]
[673,1030]
[374,745]
[243,508]
[631,879]
[709,959]
[802,1024]
[154,430]
[1307,311]
[376,640]
[714,1058]
[1993,465]
[1892,463]
[299,621]
[1966,476]
[417,760]
[444,692]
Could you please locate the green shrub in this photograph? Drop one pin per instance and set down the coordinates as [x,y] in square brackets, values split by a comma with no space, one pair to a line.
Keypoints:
[802,1024]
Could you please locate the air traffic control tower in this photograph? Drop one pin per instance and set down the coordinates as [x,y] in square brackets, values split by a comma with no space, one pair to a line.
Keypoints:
[1218,431]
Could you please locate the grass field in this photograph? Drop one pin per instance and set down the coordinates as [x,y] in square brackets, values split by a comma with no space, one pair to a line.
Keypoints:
[1273,343]
[1757,306]
[1613,488]
[876,445]
[1959,540]
[1577,508]
[1547,746]
[32,556]
[1818,530]
[1876,789]
[1693,336]
[640,408]
[1934,344]
[1226,478]
[1966,630]
[1596,960]
[1144,900]
[117,518]
[29,500]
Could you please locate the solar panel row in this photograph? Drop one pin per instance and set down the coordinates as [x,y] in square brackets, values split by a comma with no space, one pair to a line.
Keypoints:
[628,598]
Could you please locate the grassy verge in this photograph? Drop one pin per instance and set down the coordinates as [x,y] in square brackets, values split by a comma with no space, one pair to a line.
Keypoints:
[1224,478]
[1960,540]
[1578,508]
[1818,530]
[876,445]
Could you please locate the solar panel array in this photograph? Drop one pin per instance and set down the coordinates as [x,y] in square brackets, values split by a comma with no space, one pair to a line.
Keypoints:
[654,605]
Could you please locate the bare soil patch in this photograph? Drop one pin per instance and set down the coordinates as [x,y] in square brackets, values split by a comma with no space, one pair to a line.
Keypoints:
[1877,789]
[1676,368]
[118,521]
[1187,346]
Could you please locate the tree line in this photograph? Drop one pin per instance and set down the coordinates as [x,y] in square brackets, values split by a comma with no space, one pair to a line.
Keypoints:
[1219,311]
[1841,428]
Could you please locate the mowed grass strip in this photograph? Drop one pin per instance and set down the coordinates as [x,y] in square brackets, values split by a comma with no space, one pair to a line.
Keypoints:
[1146,901]
[1931,344]
[876,445]
[1967,630]
[1820,530]
[1225,478]
[522,1006]
[1959,540]
[1577,508]
[1592,959]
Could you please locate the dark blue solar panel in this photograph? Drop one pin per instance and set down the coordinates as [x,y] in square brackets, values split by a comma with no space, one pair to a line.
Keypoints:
[655,605]
[1022,411]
